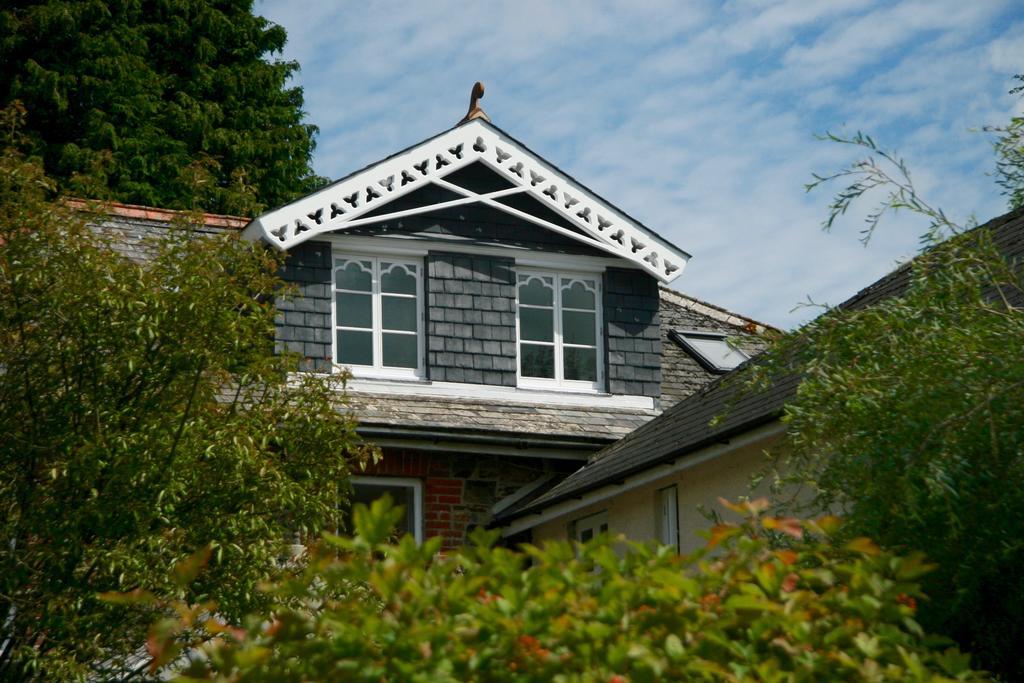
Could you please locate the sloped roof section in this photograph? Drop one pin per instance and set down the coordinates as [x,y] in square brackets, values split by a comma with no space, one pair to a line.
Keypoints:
[598,426]
[362,198]
[727,407]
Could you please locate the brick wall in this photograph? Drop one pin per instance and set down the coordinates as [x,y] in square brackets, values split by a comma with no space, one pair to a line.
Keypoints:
[471,325]
[459,489]
[633,326]
[304,321]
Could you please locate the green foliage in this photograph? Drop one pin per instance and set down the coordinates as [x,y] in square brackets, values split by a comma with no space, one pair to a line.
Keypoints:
[881,172]
[909,419]
[145,418]
[1009,147]
[367,610]
[170,103]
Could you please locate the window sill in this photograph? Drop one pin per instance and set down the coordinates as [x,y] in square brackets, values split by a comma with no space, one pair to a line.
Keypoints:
[528,395]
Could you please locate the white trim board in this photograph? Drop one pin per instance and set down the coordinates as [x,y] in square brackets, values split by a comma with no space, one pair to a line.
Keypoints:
[340,204]
[484,392]
[683,462]
[414,245]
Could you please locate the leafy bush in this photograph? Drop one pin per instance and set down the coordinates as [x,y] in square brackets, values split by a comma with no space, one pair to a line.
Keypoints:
[743,609]
[144,415]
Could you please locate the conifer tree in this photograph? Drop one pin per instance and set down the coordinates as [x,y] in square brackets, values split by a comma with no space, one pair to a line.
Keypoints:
[172,103]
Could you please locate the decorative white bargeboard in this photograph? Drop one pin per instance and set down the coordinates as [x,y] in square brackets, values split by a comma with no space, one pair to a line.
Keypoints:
[344,204]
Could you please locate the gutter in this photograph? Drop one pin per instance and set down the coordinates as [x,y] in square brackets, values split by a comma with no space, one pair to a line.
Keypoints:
[513,440]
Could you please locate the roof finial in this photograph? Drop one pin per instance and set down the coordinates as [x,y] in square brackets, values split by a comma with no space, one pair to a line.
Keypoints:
[475,112]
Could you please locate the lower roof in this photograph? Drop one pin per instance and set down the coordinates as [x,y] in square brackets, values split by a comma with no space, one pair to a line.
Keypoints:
[728,407]
[515,420]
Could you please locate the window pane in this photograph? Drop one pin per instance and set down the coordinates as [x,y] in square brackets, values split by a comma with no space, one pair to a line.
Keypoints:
[578,328]
[399,350]
[577,295]
[536,324]
[355,348]
[354,310]
[400,494]
[718,352]
[353,275]
[580,364]
[537,361]
[398,313]
[397,279]
[536,293]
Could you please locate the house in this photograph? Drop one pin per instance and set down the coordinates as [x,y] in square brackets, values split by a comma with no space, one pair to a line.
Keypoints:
[500,322]
[651,484]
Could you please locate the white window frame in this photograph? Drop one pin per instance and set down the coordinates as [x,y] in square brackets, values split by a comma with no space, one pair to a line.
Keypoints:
[666,511]
[559,382]
[378,369]
[406,482]
[592,523]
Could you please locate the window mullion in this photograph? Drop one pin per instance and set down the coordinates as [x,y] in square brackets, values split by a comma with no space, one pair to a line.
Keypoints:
[378,322]
[559,364]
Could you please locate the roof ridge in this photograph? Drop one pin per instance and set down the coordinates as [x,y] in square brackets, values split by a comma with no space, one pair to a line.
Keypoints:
[153,213]
[718,312]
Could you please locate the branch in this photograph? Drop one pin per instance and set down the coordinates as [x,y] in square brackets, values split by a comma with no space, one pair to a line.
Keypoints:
[880,169]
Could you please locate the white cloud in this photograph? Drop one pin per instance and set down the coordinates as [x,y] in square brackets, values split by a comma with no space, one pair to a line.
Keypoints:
[695,117]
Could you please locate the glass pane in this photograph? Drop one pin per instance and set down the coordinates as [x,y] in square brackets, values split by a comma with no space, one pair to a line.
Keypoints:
[580,364]
[577,295]
[398,313]
[717,351]
[353,275]
[536,293]
[397,280]
[355,348]
[536,324]
[399,350]
[578,328]
[354,310]
[400,495]
[537,361]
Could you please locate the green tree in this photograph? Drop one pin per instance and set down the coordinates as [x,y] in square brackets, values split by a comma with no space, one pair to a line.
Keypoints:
[372,611]
[909,419]
[170,103]
[144,417]
[1009,147]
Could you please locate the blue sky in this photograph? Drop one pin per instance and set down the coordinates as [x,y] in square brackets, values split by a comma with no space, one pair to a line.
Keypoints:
[698,118]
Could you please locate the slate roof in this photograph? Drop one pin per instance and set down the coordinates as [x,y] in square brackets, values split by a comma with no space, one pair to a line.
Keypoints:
[681,374]
[133,230]
[686,427]
[508,418]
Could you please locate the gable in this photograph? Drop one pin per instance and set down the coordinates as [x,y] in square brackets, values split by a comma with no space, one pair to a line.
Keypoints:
[474,163]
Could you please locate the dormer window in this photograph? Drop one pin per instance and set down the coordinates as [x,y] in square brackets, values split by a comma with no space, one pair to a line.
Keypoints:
[558,330]
[710,349]
[377,313]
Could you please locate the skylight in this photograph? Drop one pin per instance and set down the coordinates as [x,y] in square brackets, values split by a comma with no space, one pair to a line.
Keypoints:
[710,349]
